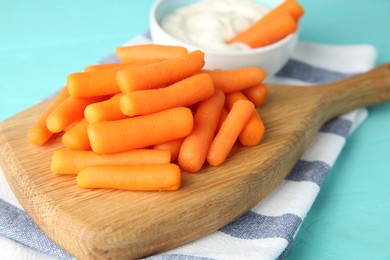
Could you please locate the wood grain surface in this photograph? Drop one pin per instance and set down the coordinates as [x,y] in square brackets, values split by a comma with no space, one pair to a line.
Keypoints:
[92,224]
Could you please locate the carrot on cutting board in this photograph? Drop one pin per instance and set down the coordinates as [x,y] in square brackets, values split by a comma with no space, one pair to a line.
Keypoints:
[238,79]
[173,147]
[76,138]
[72,162]
[141,131]
[100,82]
[69,111]
[182,93]
[132,53]
[225,139]
[106,110]
[257,94]
[253,131]
[39,133]
[195,146]
[157,177]
[160,74]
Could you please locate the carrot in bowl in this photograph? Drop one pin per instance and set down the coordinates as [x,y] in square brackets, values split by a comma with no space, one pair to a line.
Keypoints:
[141,131]
[39,133]
[225,139]
[182,93]
[133,53]
[72,162]
[160,74]
[195,146]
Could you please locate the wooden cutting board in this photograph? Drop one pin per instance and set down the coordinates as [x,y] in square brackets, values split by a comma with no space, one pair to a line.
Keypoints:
[113,224]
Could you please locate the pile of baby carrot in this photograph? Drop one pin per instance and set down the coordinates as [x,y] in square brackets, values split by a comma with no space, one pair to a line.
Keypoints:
[274,26]
[135,125]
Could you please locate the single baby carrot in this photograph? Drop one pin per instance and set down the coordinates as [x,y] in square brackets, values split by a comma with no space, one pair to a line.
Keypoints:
[195,146]
[98,82]
[253,131]
[160,74]
[106,110]
[173,147]
[235,80]
[39,133]
[76,138]
[157,177]
[257,94]
[291,6]
[72,162]
[141,131]
[68,112]
[267,30]
[132,53]
[222,118]
[183,93]
[224,141]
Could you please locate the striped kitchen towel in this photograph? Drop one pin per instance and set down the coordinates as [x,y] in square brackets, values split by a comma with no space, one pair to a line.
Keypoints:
[267,230]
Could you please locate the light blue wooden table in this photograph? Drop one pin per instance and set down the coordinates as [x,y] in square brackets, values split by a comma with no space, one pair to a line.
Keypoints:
[43,41]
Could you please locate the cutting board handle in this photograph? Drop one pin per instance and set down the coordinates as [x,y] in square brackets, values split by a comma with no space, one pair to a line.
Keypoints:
[372,87]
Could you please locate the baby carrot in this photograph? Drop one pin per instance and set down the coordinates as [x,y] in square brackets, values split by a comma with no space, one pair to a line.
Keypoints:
[98,82]
[195,146]
[160,74]
[291,6]
[157,177]
[253,131]
[39,133]
[68,112]
[222,118]
[132,53]
[182,93]
[72,162]
[256,94]
[141,131]
[173,147]
[267,31]
[235,80]
[226,137]
[106,110]
[76,138]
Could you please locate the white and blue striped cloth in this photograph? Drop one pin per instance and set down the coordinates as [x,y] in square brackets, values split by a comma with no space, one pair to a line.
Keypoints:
[267,230]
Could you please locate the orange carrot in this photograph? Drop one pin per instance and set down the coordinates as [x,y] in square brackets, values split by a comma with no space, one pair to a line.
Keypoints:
[194,149]
[256,94]
[68,112]
[182,93]
[96,67]
[235,80]
[76,138]
[39,133]
[267,30]
[140,131]
[222,118]
[98,82]
[226,137]
[72,162]
[132,53]
[160,74]
[106,110]
[157,177]
[173,147]
[253,131]
[291,6]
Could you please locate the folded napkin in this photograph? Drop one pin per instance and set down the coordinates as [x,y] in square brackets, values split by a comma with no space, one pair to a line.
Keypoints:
[267,230]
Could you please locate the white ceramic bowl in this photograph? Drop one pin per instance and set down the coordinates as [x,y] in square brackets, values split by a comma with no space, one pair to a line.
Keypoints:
[271,58]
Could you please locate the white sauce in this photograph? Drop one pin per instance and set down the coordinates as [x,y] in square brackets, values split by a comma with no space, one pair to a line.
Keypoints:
[209,23]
